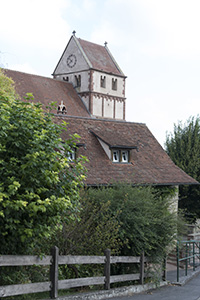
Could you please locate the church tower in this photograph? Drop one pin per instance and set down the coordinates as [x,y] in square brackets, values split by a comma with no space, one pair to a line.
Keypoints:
[96,77]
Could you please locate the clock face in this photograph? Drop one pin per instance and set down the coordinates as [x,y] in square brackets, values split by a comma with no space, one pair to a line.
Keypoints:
[71,60]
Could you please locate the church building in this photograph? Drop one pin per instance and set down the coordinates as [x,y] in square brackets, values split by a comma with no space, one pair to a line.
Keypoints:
[89,88]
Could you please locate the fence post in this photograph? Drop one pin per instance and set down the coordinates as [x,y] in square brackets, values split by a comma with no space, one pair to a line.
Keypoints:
[54,273]
[142,268]
[107,269]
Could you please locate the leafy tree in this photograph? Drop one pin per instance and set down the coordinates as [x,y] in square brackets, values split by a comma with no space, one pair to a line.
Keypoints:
[183,146]
[38,184]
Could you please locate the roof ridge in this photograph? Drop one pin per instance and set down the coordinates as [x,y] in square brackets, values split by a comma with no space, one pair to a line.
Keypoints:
[100,119]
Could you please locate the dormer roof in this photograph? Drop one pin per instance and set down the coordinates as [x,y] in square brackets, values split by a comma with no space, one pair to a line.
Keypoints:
[113,140]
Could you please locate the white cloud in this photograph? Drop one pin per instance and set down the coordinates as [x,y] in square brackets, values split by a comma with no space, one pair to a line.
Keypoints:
[38,23]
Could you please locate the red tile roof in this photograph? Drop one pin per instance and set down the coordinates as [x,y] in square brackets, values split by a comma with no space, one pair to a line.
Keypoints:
[47,90]
[100,57]
[149,163]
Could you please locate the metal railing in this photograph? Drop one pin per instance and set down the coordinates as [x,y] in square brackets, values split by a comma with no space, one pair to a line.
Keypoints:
[188,252]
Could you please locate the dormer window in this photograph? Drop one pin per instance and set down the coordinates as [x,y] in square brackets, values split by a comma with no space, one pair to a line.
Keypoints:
[61,108]
[125,156]
[71,154]
[103,81]
[121,156]
[114,84]
[115,155]
[117,148]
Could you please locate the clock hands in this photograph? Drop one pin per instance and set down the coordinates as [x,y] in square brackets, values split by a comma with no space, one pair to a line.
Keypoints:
[71,60]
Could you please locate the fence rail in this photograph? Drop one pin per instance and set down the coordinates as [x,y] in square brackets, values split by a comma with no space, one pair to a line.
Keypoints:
[54,260]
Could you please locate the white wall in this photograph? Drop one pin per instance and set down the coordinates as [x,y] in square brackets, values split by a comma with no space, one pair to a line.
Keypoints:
[108,89]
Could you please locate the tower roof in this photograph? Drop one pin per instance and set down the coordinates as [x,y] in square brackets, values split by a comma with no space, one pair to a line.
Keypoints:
[100,57]
[90,56]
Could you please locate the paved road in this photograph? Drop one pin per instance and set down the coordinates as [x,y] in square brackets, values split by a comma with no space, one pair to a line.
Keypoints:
[190,291]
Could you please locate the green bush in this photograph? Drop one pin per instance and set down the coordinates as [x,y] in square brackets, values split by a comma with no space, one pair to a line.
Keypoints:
[146,221]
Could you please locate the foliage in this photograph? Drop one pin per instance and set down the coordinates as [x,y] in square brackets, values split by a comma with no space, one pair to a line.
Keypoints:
[146,221]
[183,146]
[92,230]
[39,185]
[6,86]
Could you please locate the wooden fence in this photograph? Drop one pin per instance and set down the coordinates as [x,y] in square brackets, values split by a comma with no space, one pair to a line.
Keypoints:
[54,260]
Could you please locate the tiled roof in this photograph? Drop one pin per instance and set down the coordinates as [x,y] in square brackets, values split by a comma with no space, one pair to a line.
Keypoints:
[46,90]
[100,57]
[149,163]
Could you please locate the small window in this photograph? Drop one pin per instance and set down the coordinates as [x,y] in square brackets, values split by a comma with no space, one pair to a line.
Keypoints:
[72,154]
[78,80]
[115,156]
[121,156]
[66,78]
[114,84]
[124,154]
[103,81]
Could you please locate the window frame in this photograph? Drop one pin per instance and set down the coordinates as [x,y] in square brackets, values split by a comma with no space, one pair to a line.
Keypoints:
[120,155]
[103,81]
[114,84]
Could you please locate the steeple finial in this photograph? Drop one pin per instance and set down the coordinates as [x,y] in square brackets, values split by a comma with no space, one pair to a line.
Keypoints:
[74,32]
[105,44]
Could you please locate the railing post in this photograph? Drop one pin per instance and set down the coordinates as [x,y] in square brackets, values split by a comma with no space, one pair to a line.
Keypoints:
[54,273]
[177,256]
[186,261]
[107,269]
[193,256]
[142,268]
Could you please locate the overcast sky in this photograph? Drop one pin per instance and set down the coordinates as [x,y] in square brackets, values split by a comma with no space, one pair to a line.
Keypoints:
[155,42]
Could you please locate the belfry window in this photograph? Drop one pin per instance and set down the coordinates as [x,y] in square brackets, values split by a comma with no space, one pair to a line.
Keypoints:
[114,84]
[78,80]
[103,81]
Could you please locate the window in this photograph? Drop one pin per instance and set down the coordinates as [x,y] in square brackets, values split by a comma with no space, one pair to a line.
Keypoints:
[124,154]
[115,156]
[72,154]
[78,80]
[114,84]
[121,156]
[66,78]
[103,81]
